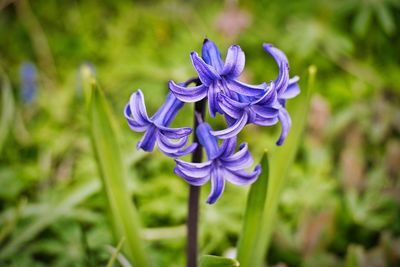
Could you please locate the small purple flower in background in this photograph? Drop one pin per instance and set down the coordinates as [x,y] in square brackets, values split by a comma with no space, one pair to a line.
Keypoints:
[156,128]
[28,76]
[223,164]
[217,77]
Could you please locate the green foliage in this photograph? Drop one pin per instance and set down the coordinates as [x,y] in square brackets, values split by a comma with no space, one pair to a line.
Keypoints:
[215,261]
[124,217]
[252,217]
[7,112]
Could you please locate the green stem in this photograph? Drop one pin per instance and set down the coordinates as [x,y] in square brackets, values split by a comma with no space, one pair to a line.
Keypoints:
[194,192]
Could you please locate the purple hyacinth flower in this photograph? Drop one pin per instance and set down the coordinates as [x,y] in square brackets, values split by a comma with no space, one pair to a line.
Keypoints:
[262,110]
[223,164]
[286,88]
[216,77]
[28,74]
[171,141]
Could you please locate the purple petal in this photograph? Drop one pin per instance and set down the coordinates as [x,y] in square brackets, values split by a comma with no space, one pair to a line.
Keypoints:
[196,170]
[192,180]
[242,177]
[207,73]
[188,94]
[174,148]
[217,185]
[211,55]
[138,107]
[167,112]
[169,147]
[238,161]
[175,133]
[292,90]
[281,59]
[265,121]
[286,123]
[181,152]
[148,140]
[232,130]
[134,125]
[228,147]
[213,103]
[246,89]
[230,111]
[265,111]
[269,97]
[231,107]
[207,140]
[229,120]
[234,63]
[234,103]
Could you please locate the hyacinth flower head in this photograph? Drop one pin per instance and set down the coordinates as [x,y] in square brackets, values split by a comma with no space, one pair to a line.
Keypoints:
[223,164]
[217,77]
[266,108]
[239,103]
[171,141]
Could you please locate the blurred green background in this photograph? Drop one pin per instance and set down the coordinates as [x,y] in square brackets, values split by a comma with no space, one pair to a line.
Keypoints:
[341,204]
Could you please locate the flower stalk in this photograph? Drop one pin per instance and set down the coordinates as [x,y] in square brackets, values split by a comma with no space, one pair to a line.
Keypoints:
[194,191]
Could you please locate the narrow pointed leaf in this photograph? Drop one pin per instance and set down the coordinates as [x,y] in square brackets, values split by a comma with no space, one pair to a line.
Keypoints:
[216,261]
[7,108]
[124,217]
[115,253]
[252,217]
[280,163]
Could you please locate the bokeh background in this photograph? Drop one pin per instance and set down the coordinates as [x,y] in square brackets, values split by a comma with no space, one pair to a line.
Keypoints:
[341,202]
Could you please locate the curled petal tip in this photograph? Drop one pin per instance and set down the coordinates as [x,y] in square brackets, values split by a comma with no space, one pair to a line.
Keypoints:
[193,54]
[266,46]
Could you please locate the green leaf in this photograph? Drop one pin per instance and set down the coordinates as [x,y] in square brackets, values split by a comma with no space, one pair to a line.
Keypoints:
[362,21]
[124,217]
[115,253]
[252,218]
[7,108]
[385,19]
[355,256]
[216,261]
[280,163]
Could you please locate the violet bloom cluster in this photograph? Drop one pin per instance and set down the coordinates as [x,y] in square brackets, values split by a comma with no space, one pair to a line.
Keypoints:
[240,104]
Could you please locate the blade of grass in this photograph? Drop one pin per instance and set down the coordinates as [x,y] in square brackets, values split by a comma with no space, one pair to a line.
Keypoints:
[61,207]
[216,261]
[281,160]
[115,253]
[7,228]
[7,110]
[124,217]
[253,213]
[120,257]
